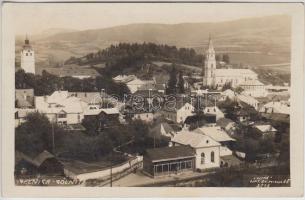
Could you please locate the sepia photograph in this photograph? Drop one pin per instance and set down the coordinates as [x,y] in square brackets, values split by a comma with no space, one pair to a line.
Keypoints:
[149,95]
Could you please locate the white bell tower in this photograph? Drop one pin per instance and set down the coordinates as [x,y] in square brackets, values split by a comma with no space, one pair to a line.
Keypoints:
[27,57]
[209,66]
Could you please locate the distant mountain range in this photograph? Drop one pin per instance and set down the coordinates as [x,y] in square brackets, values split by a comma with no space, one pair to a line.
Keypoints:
[264,40]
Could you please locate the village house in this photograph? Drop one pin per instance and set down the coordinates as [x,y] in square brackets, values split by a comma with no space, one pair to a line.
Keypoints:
[96,98]
[124,78]
[227,124]
[276,107]
[199,120]
[145,116]
[230,94]
[242,116]
[220,136]
[163,129]
[251,101]
[254,88]
[152,97]
[166,161]
[137,84]
[206,149]
[265,130]
[61,108]
[106,116]
[24,98]
[214,110]
[178,112]
[20,115]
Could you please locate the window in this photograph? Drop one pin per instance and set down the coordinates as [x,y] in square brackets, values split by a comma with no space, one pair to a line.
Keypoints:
[202,158]
[62,115]
[26,54]
[30,54]
[212,156]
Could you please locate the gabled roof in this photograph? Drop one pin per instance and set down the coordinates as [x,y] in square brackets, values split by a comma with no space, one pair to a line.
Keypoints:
[110,111]
[265,128]
[214,132]
[195,140]
[170,153]
[157,130]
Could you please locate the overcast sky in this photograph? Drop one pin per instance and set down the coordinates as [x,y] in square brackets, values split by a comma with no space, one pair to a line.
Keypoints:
[34,18]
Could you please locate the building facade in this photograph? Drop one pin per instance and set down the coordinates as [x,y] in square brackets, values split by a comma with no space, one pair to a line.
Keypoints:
[245,78]
[207,150]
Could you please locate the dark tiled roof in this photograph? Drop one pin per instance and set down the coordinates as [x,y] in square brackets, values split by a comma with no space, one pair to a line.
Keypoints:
[35,160]
[169,153]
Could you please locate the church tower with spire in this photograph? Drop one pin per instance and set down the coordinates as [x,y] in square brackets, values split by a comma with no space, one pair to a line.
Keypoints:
[27,57]
[209,65]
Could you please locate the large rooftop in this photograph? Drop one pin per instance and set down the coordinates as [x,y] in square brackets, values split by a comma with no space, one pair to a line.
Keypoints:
[170,153]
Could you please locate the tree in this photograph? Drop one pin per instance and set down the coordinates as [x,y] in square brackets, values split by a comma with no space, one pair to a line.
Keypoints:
[226,86]
[172,82]
[226,58]
[92,125]
[181,83]
[36,134]
[217,57]
[239,90]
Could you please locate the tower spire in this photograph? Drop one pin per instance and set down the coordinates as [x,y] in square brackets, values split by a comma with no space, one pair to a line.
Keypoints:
[26,41]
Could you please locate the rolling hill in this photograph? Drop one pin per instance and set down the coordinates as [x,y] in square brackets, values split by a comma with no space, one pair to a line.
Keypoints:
[254,41]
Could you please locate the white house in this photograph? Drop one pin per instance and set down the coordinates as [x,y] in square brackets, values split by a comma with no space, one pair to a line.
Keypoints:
[251,101]
[178,112]
[61,108]
[136,84]
[207,150]
[214,110]
[276,107]
[219,135]
[228,94]
[266,130]
[124,78]
[21,113]
[254,88]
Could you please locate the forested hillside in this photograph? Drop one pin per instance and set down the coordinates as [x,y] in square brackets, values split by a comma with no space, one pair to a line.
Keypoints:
[132,57]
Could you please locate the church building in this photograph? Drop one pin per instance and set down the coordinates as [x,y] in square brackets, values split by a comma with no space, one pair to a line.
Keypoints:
[27,57]
[214,77]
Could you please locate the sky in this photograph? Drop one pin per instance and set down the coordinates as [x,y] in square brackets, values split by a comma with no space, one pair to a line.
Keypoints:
[33,18]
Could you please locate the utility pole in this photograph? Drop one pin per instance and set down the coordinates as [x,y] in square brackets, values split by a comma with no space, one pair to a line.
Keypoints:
[53,139]
[111,155]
